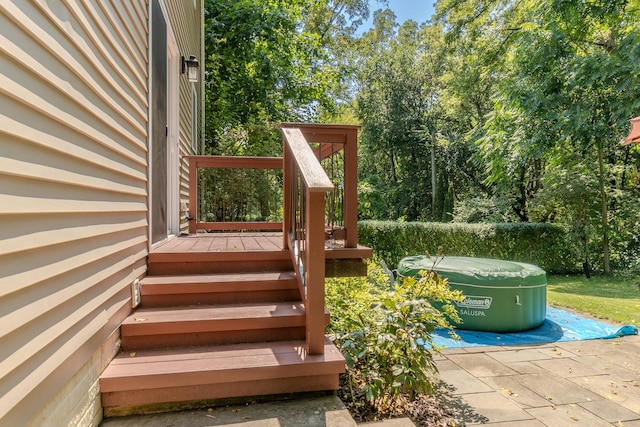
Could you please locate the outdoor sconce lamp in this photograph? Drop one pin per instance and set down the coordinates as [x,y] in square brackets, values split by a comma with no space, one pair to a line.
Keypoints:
[634,133]
[190,66]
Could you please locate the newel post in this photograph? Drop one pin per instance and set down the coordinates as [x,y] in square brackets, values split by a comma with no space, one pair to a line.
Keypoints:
[287,209]
[315,272]
[193,195]
[351,188]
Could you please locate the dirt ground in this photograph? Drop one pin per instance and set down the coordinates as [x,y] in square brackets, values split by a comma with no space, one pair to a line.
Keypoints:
[424,411]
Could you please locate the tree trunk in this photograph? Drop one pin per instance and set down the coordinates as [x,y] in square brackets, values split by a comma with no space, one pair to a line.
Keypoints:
[392,159]
[434,183]
[605,213]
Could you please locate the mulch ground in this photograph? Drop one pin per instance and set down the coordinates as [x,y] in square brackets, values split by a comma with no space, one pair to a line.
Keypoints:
[424,411]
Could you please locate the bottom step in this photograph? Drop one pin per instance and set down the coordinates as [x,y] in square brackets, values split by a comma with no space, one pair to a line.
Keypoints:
[153,381]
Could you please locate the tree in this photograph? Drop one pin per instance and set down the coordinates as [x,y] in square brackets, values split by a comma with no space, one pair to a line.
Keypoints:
[391,102]
[262,67]
[567,83]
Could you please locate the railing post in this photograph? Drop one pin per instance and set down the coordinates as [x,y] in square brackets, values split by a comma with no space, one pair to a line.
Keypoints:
[315,272]
[287,176]
[193,195]
[351,188]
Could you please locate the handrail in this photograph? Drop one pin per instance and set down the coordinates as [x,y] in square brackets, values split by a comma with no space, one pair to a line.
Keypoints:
[311,171]
[333,139]
[305,185]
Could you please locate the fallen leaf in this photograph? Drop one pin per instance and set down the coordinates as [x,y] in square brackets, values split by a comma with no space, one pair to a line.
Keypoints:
[139,319]
[574,418]
[133,354]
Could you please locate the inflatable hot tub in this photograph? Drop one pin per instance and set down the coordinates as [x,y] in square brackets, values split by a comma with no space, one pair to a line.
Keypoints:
[500,296]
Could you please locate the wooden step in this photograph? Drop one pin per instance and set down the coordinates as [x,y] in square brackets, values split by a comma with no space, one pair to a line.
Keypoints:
[216,324]
[161,377]
[221,288]
[172,263]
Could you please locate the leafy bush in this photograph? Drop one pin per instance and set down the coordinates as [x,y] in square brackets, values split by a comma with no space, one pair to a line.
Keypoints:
[541,244]
[484,210]
[384,331]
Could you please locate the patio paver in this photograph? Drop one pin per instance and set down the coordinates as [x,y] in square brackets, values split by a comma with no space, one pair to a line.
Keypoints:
[585,383]
[610,411]
[567,415]
[481,365]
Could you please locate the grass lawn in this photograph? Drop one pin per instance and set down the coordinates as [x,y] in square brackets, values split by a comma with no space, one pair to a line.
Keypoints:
[605,297]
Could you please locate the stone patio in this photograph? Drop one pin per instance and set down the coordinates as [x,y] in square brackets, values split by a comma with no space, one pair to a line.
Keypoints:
[581,383]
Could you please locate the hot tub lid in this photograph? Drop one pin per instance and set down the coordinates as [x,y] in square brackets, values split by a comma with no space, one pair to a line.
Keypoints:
[476,271]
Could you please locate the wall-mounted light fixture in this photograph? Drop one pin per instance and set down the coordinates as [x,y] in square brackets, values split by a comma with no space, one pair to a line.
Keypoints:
[190,66]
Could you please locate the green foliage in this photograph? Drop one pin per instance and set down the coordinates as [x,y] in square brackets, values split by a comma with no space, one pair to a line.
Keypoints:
[568,86]
[384,332]
[494,209]
[545,245]
[494,111]
[409,154]
[262,67]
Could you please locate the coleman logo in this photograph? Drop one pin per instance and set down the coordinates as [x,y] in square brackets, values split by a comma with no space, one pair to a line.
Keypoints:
[470,301]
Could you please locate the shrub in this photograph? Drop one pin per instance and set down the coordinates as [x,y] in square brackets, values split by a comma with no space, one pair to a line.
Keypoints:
[384,331]
[545,245]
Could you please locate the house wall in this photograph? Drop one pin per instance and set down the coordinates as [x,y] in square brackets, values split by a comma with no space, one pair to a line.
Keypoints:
[73,194]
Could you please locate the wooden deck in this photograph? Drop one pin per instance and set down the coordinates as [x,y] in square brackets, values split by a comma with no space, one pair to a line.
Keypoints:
[238,249]
[223,242]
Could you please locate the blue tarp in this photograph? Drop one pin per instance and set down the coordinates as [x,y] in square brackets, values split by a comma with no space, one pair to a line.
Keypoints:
[559,325]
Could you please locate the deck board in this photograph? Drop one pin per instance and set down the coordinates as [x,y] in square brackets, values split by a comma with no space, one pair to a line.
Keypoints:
[223,242]
[217,358]
[249,242]
[238,247]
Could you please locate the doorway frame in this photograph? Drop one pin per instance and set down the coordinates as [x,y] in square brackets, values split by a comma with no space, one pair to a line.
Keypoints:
[173,133]
[173,137]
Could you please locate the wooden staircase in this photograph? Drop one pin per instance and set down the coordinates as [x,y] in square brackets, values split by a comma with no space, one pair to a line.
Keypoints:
[213,326]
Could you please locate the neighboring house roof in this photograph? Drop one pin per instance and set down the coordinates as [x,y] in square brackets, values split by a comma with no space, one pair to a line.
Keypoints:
[634,133]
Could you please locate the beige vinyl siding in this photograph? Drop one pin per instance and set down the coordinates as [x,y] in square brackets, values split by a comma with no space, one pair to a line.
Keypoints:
[187,24]
[73,193]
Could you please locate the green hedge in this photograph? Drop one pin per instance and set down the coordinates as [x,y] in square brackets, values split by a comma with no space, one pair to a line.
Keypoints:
[544,245]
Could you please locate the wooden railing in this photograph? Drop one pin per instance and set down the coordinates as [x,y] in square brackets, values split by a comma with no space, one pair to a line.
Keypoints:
[309,218]
[336,148]
[197,221]
[305,186]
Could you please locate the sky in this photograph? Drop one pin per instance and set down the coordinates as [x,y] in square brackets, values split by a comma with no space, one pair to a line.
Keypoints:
[418,10]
